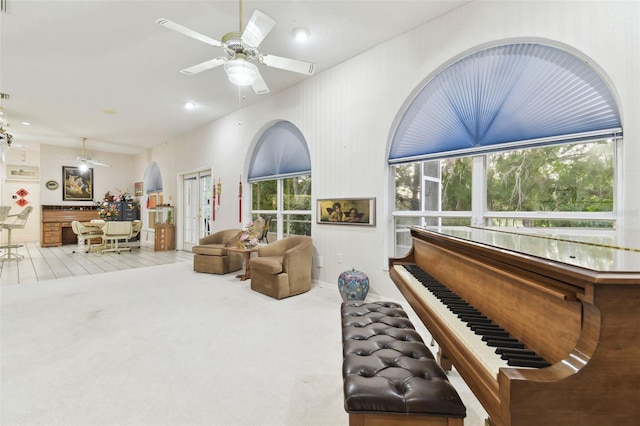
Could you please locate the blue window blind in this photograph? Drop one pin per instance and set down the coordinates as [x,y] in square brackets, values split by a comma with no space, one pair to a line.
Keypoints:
[503,97]
[153,178]
[280,152]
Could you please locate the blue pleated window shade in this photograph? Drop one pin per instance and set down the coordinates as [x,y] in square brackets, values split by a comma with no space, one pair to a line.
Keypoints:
[506,97]
[153,178]
[280,152]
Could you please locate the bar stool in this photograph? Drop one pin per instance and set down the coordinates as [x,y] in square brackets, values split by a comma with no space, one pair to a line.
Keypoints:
[14,221]
[4,212]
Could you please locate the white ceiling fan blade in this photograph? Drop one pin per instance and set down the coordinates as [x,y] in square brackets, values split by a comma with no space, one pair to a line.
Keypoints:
[207,65]
[87,160]
[186,31]
[98,163]
[289,64]
[257,29]
[259,86]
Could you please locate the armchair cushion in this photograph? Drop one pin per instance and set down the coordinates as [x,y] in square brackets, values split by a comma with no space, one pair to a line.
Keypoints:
[270,265]
[210,250]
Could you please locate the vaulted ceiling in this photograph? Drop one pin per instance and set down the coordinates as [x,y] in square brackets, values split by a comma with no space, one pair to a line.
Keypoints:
[106,71]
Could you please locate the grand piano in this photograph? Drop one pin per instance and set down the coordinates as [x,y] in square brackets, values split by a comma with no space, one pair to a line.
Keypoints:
[544,331]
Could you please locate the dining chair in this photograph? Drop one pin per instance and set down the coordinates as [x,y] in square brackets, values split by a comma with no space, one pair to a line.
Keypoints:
[112,233]
[136,227]
[86,233]
[265,230]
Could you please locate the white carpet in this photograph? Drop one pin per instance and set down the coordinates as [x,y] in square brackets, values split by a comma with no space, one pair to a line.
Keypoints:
[167,346]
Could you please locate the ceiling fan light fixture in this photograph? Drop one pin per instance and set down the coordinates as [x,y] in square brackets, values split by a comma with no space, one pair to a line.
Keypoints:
[83,167]
[241,72]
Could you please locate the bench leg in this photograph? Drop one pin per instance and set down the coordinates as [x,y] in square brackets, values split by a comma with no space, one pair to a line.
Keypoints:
[390,419]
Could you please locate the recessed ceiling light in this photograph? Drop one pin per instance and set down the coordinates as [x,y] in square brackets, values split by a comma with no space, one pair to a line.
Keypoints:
[301,34]
[189,105]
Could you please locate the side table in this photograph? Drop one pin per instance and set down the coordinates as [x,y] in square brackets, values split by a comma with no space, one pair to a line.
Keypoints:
[247,255]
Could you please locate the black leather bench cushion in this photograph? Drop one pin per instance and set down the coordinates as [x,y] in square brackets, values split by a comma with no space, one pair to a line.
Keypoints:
[387,368]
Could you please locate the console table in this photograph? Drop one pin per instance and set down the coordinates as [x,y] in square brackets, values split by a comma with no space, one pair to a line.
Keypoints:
[56,223]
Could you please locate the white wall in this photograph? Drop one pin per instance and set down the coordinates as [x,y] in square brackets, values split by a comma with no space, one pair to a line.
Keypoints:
[120,176]
[346,114]
[16,156]
[50,159]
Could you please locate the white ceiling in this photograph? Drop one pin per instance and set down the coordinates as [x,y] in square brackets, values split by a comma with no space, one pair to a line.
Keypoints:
[104,70]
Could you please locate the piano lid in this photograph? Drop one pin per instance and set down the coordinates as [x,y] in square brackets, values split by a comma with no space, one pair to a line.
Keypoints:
[584,252]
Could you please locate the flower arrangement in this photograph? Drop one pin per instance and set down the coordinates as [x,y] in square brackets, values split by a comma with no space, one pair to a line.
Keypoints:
[108,211]
[251,234]
[120,195]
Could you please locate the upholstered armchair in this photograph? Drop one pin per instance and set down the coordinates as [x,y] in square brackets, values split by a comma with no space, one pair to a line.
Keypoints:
[283,268]
[212,257]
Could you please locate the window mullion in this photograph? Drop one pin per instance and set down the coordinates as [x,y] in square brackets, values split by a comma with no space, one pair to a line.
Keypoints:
[478,189]
[279,215]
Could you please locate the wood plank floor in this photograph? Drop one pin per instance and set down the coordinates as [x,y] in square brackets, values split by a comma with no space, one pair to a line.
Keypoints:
[41,264]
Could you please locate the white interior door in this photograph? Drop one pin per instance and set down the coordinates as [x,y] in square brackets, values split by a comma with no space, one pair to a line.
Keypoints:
[198,195]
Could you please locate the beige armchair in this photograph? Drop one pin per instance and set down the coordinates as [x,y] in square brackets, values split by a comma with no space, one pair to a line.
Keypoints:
[212,257]
[283,268]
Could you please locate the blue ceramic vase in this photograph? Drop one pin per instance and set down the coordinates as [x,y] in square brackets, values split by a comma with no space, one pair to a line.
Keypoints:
[353,285]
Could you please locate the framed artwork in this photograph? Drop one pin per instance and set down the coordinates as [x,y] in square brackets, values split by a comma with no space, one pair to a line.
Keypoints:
[52,185]
[22,172]
[346,211]
[77,184]
[138,189]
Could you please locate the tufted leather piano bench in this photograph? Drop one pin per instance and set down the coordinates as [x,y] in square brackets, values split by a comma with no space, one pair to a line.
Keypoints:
[390,376]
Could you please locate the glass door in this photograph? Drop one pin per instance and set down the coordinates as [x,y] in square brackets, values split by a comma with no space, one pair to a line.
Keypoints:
[198,199]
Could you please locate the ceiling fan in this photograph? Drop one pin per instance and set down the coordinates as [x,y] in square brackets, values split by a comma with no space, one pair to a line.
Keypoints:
[86,161]
[242,52]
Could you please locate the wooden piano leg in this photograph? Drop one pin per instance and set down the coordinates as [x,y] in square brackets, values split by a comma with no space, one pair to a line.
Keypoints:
[443,360]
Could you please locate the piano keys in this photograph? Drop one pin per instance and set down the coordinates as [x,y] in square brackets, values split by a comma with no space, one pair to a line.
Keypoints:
[550,339]
[507,347]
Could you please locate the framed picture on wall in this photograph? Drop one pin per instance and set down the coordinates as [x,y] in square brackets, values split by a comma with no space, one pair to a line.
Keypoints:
[77,184]
[138,189]
[346,211]
[15,172]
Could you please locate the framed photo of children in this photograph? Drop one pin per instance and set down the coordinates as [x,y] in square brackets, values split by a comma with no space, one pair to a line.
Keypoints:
[77,184]
[347,211]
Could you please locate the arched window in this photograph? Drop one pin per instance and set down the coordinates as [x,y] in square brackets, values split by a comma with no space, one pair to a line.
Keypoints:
[520,134]
[280,177]
[153,184]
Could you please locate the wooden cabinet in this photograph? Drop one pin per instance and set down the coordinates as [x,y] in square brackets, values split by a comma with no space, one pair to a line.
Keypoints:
[165,237]
[56,223]
[51,234]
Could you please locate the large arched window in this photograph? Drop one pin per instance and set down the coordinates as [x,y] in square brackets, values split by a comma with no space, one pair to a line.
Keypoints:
[520,134]
[280,177]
